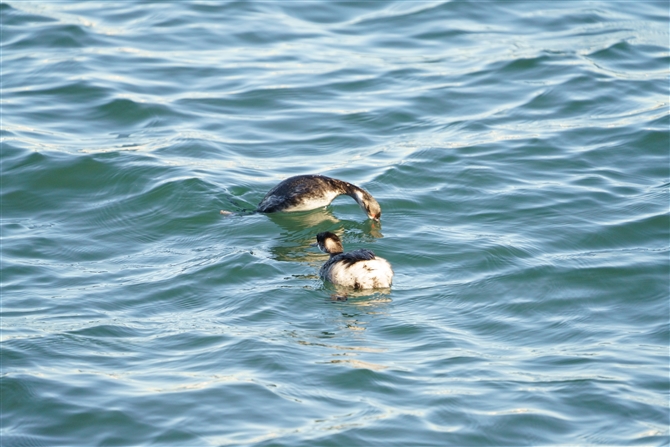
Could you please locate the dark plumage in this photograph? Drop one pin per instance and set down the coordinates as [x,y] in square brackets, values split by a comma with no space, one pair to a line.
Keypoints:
[351,257]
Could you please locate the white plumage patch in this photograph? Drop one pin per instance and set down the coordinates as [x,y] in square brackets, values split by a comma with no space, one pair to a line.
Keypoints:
[312,203]
[365,274]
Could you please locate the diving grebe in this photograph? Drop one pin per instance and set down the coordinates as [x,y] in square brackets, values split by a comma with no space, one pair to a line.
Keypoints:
[359,269]
[308,192]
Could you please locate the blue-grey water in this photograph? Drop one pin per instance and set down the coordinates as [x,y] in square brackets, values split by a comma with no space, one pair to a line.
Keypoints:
[521,155]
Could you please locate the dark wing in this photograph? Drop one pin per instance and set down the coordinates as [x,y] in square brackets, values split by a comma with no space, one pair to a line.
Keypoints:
[282,195]
[292,191]
[352,257]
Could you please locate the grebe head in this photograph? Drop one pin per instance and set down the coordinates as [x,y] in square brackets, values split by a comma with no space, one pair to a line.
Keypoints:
[369,205]
[329,243]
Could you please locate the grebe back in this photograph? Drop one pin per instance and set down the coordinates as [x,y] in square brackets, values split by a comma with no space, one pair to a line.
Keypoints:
[359,269]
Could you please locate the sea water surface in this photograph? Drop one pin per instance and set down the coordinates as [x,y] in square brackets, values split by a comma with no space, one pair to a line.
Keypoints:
[519,151]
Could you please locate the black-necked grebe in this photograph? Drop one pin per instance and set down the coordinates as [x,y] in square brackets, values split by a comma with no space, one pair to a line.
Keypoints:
[308,192]
[359,269]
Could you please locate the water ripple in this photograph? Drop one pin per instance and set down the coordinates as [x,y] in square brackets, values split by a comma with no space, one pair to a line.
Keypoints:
[521,159]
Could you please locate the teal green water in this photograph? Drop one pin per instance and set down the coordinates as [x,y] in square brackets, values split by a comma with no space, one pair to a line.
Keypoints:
[521,155]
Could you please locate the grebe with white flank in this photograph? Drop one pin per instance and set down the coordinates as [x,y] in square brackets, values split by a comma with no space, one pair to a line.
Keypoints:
[308,192]
[359,269]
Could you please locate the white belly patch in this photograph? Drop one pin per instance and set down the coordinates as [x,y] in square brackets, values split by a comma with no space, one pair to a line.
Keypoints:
[370,274]
[311,203]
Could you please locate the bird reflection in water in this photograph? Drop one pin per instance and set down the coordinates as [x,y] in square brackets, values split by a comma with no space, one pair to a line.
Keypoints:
[298,230]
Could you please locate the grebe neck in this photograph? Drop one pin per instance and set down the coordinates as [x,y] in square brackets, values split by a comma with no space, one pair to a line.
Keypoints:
[363,198]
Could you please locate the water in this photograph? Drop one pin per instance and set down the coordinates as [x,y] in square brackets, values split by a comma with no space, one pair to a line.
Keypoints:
[519,151]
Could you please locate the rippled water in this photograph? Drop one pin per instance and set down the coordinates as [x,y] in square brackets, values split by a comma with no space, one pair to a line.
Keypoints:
[519,151]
